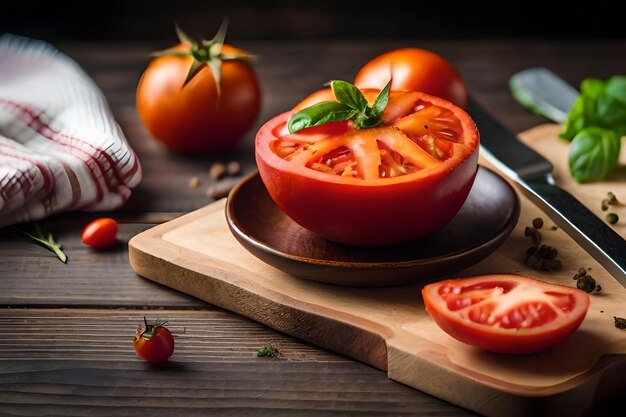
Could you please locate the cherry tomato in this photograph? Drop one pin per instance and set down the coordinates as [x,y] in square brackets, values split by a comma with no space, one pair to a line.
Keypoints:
[414,69]
[368,187]
[153,342]
[100,233]
[506,313]
[196,117]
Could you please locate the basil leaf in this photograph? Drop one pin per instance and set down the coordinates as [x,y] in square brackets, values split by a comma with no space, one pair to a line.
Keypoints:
[616,87]
[318,114]
[351,105]
[592,87]
[609,112]
[349,95]
[594,152]
[597,106]
[365,120]
[575,121]
[381,100]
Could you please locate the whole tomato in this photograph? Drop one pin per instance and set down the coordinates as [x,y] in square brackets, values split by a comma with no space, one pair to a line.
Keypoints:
[187,109]
[100,233]
[402,179]
[153,342]
[414,69]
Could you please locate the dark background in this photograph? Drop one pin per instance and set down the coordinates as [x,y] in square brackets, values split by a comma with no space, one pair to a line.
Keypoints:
[153,20]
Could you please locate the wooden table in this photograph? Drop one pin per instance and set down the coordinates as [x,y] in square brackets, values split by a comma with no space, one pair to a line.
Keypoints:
[66,330]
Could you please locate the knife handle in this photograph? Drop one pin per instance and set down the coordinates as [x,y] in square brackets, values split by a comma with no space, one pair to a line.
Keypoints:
[592,233]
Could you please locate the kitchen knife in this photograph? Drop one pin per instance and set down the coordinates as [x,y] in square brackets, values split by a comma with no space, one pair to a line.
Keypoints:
[544,92]
[533,175]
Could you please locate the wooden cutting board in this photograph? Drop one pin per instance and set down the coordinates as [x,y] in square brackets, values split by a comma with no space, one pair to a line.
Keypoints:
[388,327]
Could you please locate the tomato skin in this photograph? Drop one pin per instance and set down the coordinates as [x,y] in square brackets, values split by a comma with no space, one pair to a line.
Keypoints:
[195,118]
[100,233]
[506,340]
[414,69]
[158,348]
[364,213]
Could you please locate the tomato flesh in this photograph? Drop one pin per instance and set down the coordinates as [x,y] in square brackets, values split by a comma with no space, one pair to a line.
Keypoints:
[384,185]
[506,313]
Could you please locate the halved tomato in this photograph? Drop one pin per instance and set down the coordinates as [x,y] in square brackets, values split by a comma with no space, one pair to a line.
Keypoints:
[506,313]
[384,185]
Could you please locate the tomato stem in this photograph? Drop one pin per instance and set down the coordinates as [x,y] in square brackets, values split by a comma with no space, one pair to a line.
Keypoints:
[149,329]
[208,52]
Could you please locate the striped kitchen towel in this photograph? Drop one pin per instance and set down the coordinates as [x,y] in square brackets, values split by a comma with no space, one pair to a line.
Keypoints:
[60,147]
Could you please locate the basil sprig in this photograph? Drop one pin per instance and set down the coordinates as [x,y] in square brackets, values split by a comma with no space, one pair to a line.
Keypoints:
[595,124]
[351,104]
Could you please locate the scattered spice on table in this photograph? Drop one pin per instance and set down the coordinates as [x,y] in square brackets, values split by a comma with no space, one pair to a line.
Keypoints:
[534,235]
[610,200]
[612,218]
[217,171]
[620,322]
[233,168]
[221,188]
[585,281]
[223,177]
[540,256]
[194,182]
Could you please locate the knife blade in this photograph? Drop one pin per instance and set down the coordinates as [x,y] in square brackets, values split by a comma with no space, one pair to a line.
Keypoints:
[544,92]
[533,175]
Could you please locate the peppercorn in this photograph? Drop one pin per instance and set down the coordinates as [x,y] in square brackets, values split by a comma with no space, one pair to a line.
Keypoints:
[612,218]
[586,283]
[538,223]
[620,322]
[605,205]
[534,234]
[581,273]
[547,252]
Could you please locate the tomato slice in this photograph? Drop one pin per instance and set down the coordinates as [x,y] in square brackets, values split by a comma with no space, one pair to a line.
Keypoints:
[506,313]
[385,185]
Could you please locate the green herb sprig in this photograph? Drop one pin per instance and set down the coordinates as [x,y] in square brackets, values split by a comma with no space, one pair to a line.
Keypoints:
[595,125]
[45,239]
[268,350]
[351,104]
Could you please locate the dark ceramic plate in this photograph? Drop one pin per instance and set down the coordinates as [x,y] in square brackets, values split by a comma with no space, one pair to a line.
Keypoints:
[488,216]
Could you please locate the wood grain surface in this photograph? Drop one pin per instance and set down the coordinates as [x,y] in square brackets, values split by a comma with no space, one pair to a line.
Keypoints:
[389,328]
[36,288]
[77,362]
